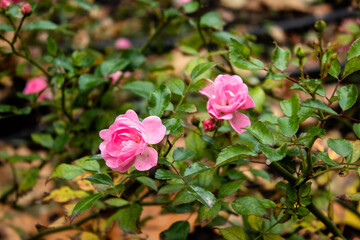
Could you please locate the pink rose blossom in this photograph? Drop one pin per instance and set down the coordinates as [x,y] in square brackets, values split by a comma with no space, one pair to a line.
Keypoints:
[25,8]
[122,43]
[209,124]
[227,94]
[16,1]
[115,76]
[4,3]
[37,85]
[182,2]
[126,142]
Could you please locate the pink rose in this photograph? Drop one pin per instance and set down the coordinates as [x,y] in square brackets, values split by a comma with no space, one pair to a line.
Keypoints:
[25,8]
[122,43]
[182,2]
[126,142]
[209,124]
[115,76]
[4,3]
[227,95]
[37,85]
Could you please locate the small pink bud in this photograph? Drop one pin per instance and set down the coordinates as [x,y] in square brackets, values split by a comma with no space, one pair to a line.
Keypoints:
[25,8]
[123,43]
[4,3]
[209,124]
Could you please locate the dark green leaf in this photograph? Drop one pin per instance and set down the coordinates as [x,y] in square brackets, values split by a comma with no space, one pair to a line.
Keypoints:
[128,218]
[182,154]
[84,205]
[261,132]
[351,66]
[6,28]
[159,99]
[87,164]
[60,142]
[325,158]
[176,86]
[112,66]
[356,128]
[177,231]
[271,74]
[228,154]
[67,171]
[183,197]
[44,139]
[187,107]
[340,146]
[206,214]
[198,85]
[335,68]
[202,195]
[51,46]
[354,50]
[291,106]
[240,57]
[196,168]
[317,104]
[148,182]
[100,178]
[41,25]
[229,188]
[195,144]
[261,173]
[200,69]
[280,58]
[88,82]
[347,96]
[249,206]
[233,233]
[171,188]
[172,125]
[165,174]
[212,20]
[288,125]
[273,154]
[29,180]
[95,157]
[141,88]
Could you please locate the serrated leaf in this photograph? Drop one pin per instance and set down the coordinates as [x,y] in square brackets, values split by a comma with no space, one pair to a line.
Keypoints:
[233,233]
[280,58]
[40,25]
[289,125]
[159,99]
[273,154]
[173,125]
[182,154]
[84,205]
[273,75]
[340,146]
[176,86]
[291,106]
[335,68]
[228,154]
[128,218]
[165,174]
[317,104]
[141,88]
[187,107]
[87,164]
[355,154]
[183,197]
[200,69]
[148,182]
[171,188]
[67,171]
[248,206]
[354,50]
[206,214]
[347,96]
[202,195]
[100,178]
[261,132]
[240,56]
[196,168]
[229,188]
[353,65]
[177,231]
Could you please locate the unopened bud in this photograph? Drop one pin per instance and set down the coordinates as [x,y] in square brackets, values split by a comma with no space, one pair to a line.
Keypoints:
[320,26]
[195,121]
[209,124]
[25,8]
[300,53]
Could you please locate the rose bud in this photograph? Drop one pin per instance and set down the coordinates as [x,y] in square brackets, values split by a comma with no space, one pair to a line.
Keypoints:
[25,8]
[209,124]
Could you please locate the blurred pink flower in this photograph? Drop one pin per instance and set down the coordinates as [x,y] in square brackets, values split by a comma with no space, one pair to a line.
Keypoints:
[122,43]
[227,94]
[115,76]
[37,85]
[209,124]
[25,8]
[181,2]
[126,142]
[4,3]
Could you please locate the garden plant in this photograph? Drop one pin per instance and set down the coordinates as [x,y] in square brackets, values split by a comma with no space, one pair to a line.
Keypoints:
[242,142]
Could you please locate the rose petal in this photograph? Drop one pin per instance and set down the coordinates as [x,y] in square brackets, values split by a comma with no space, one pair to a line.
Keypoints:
[154,129]
[146,160]
[209,90]
[249,103]
[239,121]
[105,134]
[131,114]
[123,167]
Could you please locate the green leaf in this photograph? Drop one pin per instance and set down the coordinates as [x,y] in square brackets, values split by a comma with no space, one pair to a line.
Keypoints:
[249,206]
[116,202]
[29,180]
[228,154]
[347,96]
[354,50]
[165,174]
[259,97]
[340,146]
[190,7]
[206,214]
[40,25]
[187,107]
[183,197]
[84,205]
[325,158]
[6,28]
[317,104]
[96,157]
[351,66]
[195,144]
[67,171]
[87,164]
[289,125]
[141,88]
[280,58]
[88,82]
[200,69]
[84,4]
[202,195]
[60,142]
[335,68]
[240,57]
[128,218]
[229,188]
[51,46]
[273,154]
[44,139]
[171,188]
[261,173]
[159,99]
[272,236]
[173,125]
[233,233]
[176,86]
[182,154]
[261,132]
[355,154]
[291,106]
[177,231]
[148,182]
[350,197]
[100,178]
[201,83]
[356,128]
[112,66]
[273,75]
[196,168]
[212,20]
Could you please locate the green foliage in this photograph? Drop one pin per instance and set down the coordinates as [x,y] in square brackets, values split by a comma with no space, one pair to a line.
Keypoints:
[84,205]
[159,100]
[348,96]
[280,58]
[182,154]
[240,57]
[177,231]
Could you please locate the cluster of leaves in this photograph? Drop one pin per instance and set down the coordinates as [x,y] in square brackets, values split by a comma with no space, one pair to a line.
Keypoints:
[204,176]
